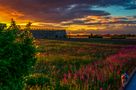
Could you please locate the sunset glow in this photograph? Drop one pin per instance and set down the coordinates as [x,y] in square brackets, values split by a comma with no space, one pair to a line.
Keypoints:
[71,15]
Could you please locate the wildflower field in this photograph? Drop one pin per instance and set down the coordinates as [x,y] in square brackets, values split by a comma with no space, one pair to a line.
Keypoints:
[67,65]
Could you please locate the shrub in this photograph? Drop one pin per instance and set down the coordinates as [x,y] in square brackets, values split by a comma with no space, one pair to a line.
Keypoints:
[17,56]
[38,80]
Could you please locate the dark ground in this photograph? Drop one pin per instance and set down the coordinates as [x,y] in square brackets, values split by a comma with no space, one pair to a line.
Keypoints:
[101,40]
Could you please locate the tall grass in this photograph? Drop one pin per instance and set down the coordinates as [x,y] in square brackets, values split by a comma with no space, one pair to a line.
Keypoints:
[65,65]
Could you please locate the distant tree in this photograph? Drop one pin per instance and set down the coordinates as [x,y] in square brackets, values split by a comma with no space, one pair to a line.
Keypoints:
[17,56]
[28,25]
[90,36]
[13,25]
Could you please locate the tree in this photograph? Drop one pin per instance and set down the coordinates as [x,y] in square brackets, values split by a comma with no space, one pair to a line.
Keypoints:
[17,56]
[13,25]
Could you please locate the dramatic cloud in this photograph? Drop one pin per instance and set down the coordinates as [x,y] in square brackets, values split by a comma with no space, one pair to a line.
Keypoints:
[56,11]
[69,14]
[97,20]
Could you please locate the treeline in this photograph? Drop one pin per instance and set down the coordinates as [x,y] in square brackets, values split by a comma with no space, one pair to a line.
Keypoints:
[110,36]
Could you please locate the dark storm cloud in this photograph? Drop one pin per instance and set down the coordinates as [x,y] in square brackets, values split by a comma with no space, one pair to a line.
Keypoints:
[60,10]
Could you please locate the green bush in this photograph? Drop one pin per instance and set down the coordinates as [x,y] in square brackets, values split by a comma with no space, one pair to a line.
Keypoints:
[39,80]
[17,56]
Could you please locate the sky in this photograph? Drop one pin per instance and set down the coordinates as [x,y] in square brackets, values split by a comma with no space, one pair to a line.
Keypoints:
[76,16]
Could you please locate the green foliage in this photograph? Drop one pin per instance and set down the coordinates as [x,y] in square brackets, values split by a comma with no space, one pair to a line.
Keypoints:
[17,56]
[38,80]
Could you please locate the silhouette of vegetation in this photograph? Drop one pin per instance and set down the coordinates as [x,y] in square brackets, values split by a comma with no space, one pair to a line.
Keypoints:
[17,56]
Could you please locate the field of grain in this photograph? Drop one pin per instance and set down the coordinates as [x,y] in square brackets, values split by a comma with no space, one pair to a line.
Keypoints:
[69,65]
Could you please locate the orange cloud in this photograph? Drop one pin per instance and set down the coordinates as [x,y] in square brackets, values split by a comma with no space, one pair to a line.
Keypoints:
[7,13]
[84,27]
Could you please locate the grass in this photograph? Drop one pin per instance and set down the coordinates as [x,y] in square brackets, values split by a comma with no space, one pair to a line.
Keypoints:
[69,65]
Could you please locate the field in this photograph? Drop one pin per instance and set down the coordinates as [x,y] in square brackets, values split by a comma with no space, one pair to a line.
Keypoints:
[70,65]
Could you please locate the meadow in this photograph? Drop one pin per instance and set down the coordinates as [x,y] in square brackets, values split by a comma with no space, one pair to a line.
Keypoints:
[69,65]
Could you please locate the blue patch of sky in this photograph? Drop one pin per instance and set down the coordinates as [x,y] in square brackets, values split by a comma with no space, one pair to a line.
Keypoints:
[116,10]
